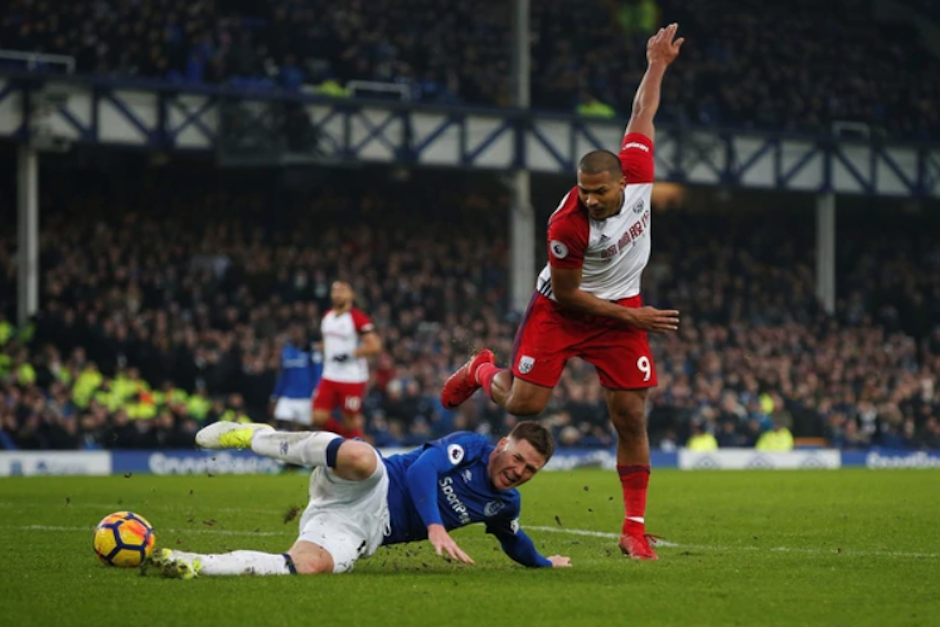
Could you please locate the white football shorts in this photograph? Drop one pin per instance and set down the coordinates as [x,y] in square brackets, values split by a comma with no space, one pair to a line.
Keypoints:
[295,410]
[349,519]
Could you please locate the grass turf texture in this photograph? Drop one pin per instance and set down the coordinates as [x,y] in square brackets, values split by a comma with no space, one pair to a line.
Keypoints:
[863,549]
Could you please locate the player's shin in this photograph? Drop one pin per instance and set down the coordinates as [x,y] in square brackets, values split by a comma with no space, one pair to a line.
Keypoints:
[305,448]
[239,563]
[487,376]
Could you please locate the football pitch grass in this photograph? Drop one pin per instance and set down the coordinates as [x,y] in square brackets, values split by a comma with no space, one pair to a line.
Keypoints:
[849,547]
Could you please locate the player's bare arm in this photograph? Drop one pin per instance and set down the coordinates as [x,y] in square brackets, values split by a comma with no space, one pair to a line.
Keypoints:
[566,284]
[370,345]
[661,50]
[445,546]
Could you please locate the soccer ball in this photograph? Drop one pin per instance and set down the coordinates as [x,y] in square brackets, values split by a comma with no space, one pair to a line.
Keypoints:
[123,539]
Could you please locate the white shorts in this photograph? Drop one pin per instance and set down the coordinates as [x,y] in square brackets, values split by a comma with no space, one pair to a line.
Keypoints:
[293,410]
[349,519]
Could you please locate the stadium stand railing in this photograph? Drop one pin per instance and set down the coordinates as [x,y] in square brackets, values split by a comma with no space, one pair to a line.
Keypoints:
[36,61]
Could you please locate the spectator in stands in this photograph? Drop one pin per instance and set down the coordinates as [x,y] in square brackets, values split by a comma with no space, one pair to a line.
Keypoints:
[728,436]
[701,440]
[174,310]
[868,76]
[777,439]
[591,107]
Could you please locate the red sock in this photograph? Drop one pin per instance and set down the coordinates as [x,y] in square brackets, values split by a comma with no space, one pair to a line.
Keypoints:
[634,479]
[485,375]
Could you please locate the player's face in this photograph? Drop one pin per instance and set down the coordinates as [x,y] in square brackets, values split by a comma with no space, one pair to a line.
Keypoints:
[341,295]
[602,193]
[515,462]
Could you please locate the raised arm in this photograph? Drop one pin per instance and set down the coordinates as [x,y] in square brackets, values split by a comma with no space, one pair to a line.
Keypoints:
[661,50]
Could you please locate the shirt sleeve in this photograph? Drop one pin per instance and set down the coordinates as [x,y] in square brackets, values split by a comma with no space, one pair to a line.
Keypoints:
[438,457]
[567,236]
[362,322]
[516,543]
[636,158]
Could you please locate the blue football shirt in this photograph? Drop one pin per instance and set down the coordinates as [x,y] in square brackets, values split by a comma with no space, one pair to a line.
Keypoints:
[300,373]
[446,482]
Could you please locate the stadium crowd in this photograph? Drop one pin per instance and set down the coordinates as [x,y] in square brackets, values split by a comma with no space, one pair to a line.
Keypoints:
[746,63]
[164,305]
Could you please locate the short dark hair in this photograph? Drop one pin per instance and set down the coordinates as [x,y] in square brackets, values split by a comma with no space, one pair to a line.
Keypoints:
[599,161]
[535,434]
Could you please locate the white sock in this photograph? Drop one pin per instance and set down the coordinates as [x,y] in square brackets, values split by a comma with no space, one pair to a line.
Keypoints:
[304,448]
[238,563]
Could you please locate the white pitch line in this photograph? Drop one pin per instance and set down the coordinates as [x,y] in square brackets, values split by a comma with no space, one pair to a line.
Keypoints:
[708,547]
[593,534]
[219,532]
[562,530]
[126,506]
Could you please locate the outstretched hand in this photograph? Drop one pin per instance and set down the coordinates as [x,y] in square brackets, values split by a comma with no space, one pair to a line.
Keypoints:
[445,546]
[663,47]
[653,320]
[559,561]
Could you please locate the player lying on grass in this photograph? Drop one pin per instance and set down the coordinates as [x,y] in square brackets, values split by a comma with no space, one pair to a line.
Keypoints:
[360,501]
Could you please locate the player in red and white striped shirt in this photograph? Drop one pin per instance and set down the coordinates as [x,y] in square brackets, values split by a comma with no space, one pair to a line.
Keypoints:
[587,302]
[349,338]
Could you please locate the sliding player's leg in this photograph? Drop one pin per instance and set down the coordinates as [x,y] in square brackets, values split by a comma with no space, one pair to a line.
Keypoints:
[186,565]
[304,558]
[345,519]
[348,459]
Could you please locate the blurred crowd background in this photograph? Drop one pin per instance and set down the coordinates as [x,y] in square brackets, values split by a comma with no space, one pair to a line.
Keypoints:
[798,66]
[166,295]
[167,289]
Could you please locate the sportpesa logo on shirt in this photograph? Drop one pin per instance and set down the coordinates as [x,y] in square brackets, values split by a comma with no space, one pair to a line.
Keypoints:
[559,250]
[447,487]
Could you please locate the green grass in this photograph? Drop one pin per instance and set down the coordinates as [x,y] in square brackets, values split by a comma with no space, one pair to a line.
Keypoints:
[863,549]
